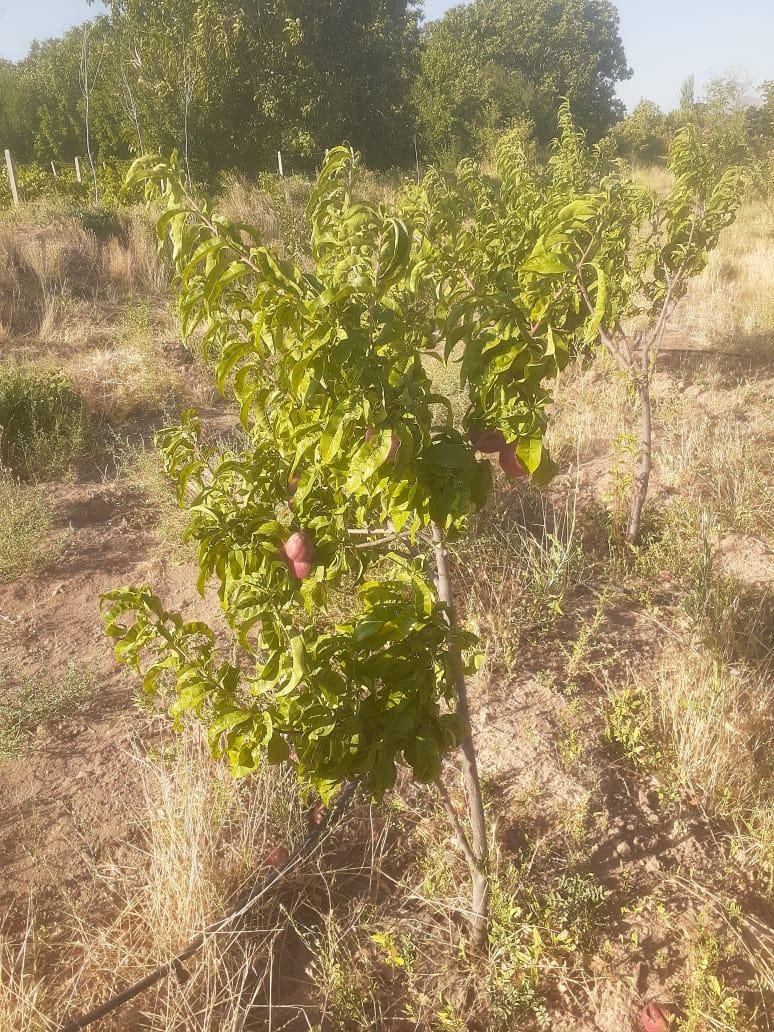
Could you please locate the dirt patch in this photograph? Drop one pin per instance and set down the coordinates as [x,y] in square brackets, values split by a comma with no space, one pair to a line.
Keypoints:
[749,560]
[68,792]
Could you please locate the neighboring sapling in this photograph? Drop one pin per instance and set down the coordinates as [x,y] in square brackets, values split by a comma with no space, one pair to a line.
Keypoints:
[642,255]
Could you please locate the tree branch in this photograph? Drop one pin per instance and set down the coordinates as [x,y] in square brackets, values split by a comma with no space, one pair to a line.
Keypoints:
[456,824]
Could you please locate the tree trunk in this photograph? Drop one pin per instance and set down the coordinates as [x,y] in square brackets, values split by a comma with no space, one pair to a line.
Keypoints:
[645,466]
[86,86]
[479,862]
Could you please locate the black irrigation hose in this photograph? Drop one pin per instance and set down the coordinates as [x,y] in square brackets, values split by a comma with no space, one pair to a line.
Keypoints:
[242,905]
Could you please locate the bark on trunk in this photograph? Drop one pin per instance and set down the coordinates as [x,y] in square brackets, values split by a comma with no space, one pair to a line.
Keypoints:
[646,451]
[479,863]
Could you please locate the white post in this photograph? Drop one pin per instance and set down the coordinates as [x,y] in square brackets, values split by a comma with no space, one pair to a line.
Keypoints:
[78,170]
[279,164]
[12,177]
[53,169]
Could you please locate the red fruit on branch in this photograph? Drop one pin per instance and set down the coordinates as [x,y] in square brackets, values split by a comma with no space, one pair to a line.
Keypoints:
[316,814]
[394,443]
[301,569]
[510,463]
[277,857]
[487,441]
[299,547]
[394,447]
[654,1018]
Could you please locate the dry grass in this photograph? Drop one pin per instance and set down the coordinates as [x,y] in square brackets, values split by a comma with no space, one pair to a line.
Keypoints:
[21,992]
[47,268]
[95,305]
[592,409]
[276,207]
[130,262]
[717,718]
[515,571]
[124,380]
[655,177]
[202,838]
[731,306]
[716,446]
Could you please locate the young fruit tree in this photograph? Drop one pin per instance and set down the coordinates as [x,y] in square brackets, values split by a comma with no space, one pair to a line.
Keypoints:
[354,472]
[645,251]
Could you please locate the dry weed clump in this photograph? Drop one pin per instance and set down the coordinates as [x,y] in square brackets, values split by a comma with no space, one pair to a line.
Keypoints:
[46,267]
[202,838]
[276,207]
[39,267]
[718,720]
[516,570]
[130,262]
[124,379]
[21,992]
[592,409]
[716,447]
[245,200]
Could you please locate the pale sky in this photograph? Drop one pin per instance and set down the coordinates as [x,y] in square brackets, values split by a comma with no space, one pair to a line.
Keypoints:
[665,40]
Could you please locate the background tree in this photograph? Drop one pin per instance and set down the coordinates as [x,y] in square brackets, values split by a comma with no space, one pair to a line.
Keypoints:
[493,62]
[687,104]
[17,110]
[354,63]
[48,103]
[643,136]
[723,115]
[237,83]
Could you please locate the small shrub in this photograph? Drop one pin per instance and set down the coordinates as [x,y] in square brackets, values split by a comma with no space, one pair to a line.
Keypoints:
[629,725]
[44,426]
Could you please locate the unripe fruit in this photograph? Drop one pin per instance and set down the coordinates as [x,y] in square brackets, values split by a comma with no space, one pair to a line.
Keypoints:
[301,569]
[654,1018]
[299,547]
[487,441]
[509,462]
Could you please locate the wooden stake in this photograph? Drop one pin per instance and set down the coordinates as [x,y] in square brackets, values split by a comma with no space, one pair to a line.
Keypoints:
[53,169]
[280,165]
[78,170]
[12,177]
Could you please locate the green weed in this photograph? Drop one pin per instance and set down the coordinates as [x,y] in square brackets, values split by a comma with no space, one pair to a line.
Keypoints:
[37,699]
[630,725]
[707,1002]
[27,543]
[44,427]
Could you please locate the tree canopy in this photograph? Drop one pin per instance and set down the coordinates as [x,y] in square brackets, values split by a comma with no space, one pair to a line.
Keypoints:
[493,63]
[226,84]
